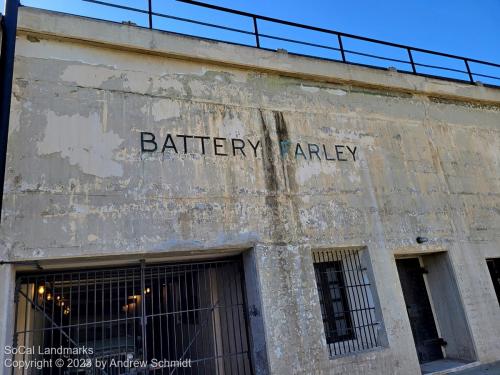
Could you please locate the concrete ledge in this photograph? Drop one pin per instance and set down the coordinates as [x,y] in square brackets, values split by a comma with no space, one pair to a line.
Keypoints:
[56,25]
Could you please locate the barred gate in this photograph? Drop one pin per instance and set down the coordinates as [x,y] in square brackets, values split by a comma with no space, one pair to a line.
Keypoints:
[184,318]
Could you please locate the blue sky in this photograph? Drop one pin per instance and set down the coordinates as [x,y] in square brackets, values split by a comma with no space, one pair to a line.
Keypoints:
[466,28]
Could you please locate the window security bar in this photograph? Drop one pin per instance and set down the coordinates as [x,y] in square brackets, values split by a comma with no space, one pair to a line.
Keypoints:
[346,301]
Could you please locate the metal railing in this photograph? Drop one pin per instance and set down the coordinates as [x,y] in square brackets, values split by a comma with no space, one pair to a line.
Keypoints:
[415,60]
[8,24]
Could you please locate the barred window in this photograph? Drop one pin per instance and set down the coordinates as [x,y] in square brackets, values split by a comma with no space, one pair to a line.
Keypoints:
[333,300]
[346,301]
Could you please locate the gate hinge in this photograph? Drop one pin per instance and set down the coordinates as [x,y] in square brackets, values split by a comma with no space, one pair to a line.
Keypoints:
[424,270]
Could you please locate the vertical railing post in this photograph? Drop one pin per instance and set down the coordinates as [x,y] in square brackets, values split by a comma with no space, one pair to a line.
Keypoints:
[256,32]
[9,28]
[341,47]
[413,67]
[469,72]
[143,309]
[150,13]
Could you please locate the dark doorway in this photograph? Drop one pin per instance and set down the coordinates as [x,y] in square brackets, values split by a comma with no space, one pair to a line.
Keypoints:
[423,326]
[494,267]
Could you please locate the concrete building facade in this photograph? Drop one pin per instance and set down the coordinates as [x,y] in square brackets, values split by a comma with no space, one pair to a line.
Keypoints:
[129,146]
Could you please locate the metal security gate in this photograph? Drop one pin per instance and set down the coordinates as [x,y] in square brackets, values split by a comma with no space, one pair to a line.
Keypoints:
[160,319]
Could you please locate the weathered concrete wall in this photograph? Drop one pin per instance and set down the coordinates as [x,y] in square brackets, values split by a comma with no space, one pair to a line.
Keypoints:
[427,162]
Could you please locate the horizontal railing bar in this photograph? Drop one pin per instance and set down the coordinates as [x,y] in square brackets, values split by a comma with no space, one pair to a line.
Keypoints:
[298,42]
[441,67]
[485,76]
[376,56]
[124,7]
[320,29]
[156,14]
[202,23]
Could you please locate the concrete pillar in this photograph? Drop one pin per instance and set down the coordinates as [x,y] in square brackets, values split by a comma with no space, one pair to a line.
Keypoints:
[293,323]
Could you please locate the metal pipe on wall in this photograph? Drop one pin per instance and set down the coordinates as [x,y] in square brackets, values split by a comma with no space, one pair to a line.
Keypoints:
[9,27]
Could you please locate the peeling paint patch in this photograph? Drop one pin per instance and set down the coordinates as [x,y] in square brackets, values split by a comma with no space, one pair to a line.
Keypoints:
[87,75]
[165,83]
[165,109]
[15,115]
[336,92]
[310,89]
[82,141]
[145,109]
[197,88]
[139,82]
[233,127]
[307,171]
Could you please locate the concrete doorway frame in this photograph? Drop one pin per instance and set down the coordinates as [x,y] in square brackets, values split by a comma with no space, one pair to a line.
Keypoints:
[445,300]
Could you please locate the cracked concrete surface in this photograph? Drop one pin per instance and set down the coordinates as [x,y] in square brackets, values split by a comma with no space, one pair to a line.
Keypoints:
[78,185]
